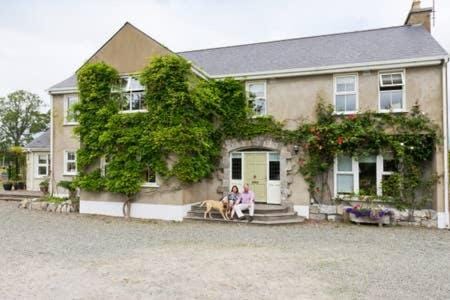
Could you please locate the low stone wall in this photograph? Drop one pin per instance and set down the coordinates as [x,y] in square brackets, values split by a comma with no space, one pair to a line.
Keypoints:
[337,213]
[37,204]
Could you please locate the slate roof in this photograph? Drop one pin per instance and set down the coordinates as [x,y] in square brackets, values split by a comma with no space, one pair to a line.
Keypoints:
[40,142]
[385,44]
[358,47]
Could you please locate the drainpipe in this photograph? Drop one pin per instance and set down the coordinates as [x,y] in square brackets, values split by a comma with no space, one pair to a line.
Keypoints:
[445,129]
[51,146]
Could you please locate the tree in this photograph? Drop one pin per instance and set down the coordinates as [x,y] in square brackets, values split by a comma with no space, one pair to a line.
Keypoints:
[21,118]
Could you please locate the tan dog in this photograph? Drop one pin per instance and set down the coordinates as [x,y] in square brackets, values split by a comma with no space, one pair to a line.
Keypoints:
[214,204]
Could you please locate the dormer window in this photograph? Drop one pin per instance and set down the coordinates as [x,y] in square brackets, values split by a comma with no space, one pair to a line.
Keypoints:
[392,92]
[133,94]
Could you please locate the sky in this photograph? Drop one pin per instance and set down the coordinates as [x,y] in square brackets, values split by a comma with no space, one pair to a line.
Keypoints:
[42,42]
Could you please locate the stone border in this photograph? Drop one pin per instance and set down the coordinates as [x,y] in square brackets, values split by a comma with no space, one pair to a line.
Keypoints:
[287,171]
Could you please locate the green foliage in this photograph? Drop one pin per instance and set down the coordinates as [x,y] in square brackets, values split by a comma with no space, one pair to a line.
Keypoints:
[68,185]
[409,137]
[21,118]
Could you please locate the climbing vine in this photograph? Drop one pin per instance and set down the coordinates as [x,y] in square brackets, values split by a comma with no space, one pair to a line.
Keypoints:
[181,133]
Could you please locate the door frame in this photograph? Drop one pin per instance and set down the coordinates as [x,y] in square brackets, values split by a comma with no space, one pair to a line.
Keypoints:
[240,183]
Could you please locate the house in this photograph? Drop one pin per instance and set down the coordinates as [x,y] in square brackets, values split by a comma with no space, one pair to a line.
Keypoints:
[386,70]
[37,161]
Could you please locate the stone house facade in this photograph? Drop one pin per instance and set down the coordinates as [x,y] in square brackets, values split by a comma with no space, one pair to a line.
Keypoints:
[386,70]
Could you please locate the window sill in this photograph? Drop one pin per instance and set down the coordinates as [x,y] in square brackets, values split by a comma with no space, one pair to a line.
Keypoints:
[40,176]
[150,185]
[133,111]
[395,111]
[70,174]
[345,113]
[71,124]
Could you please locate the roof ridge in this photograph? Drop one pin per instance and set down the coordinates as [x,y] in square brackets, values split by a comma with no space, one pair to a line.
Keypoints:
[291,39]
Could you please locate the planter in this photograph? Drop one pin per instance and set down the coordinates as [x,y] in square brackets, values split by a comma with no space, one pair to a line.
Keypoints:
[44,189]
[7,186]
[19,185]
[385,220]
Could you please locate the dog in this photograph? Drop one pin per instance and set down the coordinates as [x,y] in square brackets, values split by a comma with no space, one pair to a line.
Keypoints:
[217,205]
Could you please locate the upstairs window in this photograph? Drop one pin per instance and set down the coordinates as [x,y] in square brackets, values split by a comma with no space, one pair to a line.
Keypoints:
[345,94]
[392,88]
[69,113]
[133,94]
[257,97]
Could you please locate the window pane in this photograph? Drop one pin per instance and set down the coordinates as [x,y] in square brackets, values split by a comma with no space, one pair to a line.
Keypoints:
[385,100]
[274,170]
[368,176]
[151,176]
[345,184]
[390,165]
[136,100]
[397,79]
[42,159]
[71,167]
[274,157]
[386,79]
[236,168]
[340,103]
[42,170]
[351,103]
[134,85]
[345,84]
[257,90]
[70,155]
[259,106]
[344,164]
[397,99]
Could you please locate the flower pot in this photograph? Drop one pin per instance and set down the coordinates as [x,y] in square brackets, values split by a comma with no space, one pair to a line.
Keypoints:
[19,185]
[385,220]
[7,186]
[44,189]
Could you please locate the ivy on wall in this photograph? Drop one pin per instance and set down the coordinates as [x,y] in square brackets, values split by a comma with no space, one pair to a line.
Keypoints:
[188,119]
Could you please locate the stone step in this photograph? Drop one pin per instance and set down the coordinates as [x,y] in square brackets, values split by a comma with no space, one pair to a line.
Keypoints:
[291,221]
[259,208]
[257,216]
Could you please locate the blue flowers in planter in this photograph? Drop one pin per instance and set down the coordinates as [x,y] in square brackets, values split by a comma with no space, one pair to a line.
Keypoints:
[371,213]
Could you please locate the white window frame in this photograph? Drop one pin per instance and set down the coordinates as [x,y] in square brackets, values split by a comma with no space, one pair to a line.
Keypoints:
[130,91]
[355,173]
[103,164]
[38,165]
[336,93]
[381,84]
[66,161]
[153,184]
[247,91]
[66,109]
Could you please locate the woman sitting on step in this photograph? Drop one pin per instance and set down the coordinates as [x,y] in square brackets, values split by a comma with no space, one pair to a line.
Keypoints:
[230,199]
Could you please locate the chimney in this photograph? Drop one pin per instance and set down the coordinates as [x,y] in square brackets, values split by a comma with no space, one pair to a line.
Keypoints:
[419,16]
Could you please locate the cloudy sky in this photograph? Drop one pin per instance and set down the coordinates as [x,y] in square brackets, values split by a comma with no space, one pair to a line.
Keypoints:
[44,41]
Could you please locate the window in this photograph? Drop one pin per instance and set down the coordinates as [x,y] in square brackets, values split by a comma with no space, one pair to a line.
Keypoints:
[274,166]
[345,176]
[70,163]
[43,165]
[345,94]
[392,88]
[133,94]
[362,176]
[257,97]
[149,177]
[236,166]
[69,113]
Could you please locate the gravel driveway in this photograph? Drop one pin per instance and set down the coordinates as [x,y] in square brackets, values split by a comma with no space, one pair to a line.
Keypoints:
[53,256]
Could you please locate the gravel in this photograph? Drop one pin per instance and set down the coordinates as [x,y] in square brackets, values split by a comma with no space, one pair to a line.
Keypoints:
[54,256]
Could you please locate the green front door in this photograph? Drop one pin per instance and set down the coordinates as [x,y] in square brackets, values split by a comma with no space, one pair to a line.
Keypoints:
[255,174]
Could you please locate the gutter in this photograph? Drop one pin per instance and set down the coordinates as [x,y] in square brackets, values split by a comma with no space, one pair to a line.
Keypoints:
[445,129]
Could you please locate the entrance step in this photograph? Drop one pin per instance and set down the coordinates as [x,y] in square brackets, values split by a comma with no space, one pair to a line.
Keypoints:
[264,215]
